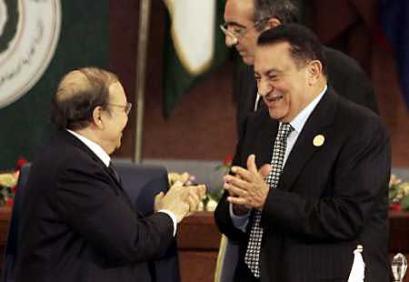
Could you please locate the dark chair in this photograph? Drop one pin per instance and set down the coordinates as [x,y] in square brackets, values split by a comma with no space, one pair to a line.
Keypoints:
[141,182]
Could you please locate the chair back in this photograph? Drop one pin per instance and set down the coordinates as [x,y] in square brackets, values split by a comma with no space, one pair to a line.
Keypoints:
[142,183]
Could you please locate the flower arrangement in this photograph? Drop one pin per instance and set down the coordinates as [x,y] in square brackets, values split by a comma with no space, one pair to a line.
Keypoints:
[8,184]
[398,194]
[224,168]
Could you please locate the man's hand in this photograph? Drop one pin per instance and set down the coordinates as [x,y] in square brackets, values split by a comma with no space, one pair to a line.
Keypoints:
[247,187]
[184,177]
[180,200]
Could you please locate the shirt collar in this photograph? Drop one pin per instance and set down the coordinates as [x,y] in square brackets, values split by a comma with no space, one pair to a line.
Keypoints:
[94,147]
[299,121]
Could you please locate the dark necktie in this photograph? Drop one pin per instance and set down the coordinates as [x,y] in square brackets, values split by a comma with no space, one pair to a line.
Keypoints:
[252,256]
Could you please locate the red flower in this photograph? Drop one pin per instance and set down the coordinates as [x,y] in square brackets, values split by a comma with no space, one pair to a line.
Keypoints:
[20,163]
[395,207]
[228,160]
[9,202]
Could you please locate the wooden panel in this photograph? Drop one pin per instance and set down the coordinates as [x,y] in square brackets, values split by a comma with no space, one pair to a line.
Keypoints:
[199,232]
[197,266]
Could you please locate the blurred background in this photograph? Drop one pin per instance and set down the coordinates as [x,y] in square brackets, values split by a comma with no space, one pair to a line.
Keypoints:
[192,123]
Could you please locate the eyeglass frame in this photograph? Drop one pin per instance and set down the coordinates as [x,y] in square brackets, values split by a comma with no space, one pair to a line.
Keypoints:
[238,35]
[127,108]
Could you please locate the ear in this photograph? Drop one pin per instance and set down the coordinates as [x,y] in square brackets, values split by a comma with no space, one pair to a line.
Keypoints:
[314,72]
[272,23]
[97,117]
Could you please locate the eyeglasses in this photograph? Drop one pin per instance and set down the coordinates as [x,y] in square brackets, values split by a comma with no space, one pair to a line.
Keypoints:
[127,108]
[237,32]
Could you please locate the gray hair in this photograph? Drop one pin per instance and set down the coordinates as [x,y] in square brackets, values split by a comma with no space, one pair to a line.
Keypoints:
[286,11]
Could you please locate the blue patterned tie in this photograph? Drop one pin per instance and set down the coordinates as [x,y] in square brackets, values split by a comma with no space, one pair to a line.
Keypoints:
[256,233]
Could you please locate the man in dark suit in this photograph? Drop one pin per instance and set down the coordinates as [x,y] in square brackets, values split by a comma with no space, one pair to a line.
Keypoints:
[79,223]
[318,210]
[245,19]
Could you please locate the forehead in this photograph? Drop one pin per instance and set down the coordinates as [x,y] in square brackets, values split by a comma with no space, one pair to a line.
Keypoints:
[239,11]
[273,56]
[117,92]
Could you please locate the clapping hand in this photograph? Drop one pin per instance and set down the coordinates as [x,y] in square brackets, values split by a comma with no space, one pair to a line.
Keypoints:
[180,200]
[247,187]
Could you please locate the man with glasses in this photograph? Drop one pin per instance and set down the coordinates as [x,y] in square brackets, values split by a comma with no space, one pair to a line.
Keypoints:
[79,224]
[246,19]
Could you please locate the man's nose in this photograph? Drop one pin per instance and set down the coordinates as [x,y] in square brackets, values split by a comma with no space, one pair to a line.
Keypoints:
[230,40]
[263,88]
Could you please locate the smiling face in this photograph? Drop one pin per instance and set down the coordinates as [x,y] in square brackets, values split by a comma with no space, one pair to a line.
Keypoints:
[286,87]
[238,15]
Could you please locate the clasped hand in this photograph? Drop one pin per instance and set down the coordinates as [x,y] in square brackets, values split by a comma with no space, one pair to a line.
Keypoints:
[180,200]
[247,187]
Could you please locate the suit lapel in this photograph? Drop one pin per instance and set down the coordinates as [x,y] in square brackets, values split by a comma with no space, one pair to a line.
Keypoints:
[267,132]
[318,123]
[77,143]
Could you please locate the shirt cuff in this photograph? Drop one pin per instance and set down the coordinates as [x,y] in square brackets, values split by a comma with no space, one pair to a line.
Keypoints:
[174,220]
[239,221]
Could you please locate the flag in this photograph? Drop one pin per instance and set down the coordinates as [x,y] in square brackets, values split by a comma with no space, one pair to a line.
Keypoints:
[194,45]
[394,18]
[80,30]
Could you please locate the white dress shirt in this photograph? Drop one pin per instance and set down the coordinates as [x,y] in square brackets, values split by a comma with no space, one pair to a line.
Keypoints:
[106,159]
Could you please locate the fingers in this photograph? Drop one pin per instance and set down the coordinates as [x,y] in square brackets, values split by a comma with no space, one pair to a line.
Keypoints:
[235,186]
[265,170]
[194,195]
[242,173]
[201,190]
[251,163]
[237,201]
[230,180]
[249,173]
[176,186]
[193,200]
[159,196]
[184,178]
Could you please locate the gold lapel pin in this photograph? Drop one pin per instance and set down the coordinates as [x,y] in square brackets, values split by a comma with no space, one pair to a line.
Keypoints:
[318,140]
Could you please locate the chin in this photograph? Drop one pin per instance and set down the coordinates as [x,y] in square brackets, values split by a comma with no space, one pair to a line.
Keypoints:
[276,115]
[248,60]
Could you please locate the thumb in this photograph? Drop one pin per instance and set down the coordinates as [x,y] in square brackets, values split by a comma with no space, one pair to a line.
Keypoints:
[159,196]
[251,163]
[265,170]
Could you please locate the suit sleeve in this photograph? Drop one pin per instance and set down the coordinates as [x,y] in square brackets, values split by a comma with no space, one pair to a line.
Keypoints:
[87,201]
[359,187]
[359,83]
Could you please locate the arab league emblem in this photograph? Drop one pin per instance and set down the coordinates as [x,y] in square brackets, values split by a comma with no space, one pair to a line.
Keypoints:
[29,32]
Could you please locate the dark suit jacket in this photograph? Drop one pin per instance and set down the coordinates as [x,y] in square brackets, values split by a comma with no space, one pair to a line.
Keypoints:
[329,198]
[344,74]
[79,223]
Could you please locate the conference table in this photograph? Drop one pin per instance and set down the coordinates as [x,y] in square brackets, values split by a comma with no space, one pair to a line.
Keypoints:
[199,239]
